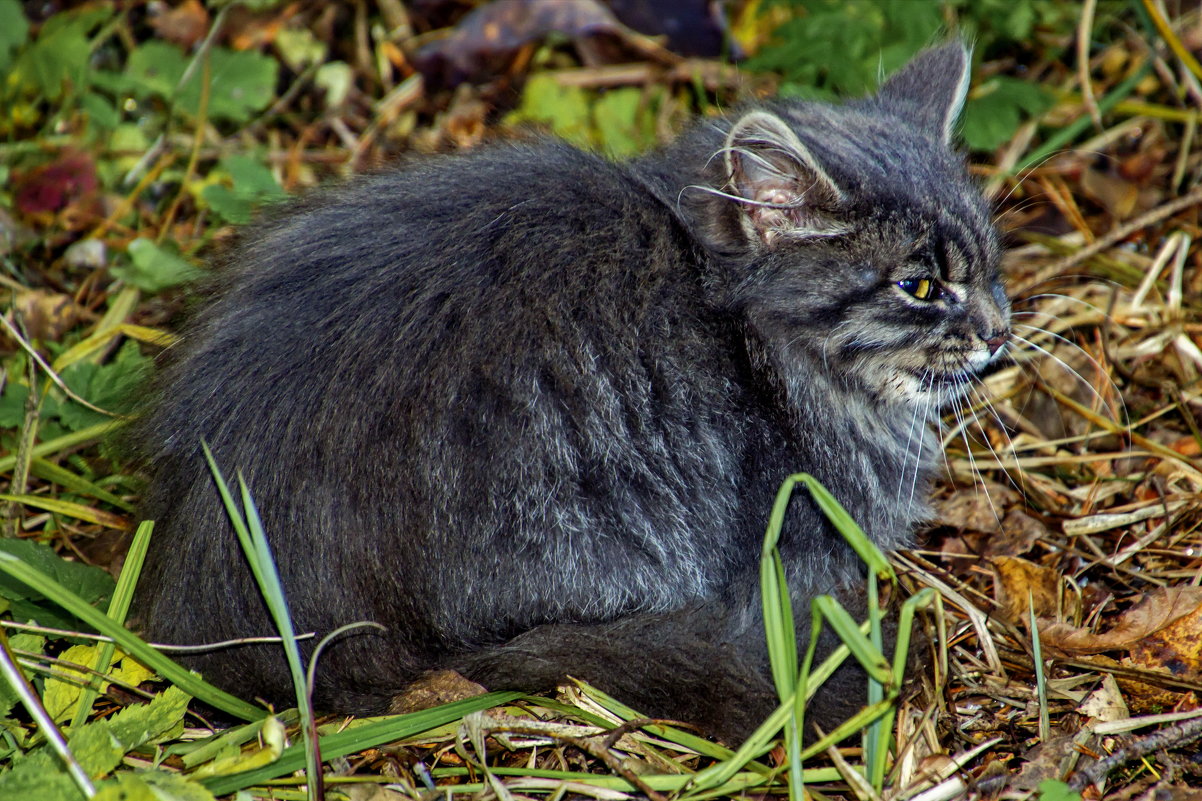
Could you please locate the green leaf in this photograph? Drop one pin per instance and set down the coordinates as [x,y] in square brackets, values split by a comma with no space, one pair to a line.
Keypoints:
[23,641]
[30,576]
[621,129]
[97,750]
[299,48]
[93,585]
[151,785]
[564,108]
[107,386]
[154,268]
[997,109]
[14,30]
[101,113]
[155,68]
[12,405]
[1053,790]
[252,178]
[336,78]
[60,54]
[240,82]
[125,787]
[39,775]
[163,718]
[253,185]
[228,204]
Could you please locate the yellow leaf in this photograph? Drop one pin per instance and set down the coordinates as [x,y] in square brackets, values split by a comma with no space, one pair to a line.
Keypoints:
[61,695]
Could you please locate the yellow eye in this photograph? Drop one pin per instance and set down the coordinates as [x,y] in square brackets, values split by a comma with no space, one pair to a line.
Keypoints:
[921,288]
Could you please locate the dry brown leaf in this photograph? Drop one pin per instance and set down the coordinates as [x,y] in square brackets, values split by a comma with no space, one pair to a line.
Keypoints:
[1176,648]
[1113,192]
[1106,703]
[47,315]
[434,689]
[1158,610]
[1019,533]
[1020,584]
[1043,762]
[972,511]
[186,24]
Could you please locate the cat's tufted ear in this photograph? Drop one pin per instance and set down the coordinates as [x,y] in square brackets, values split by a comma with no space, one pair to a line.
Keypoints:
[929,91]
[784,190]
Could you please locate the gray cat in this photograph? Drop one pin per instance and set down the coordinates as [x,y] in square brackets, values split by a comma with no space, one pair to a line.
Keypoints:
[528,408]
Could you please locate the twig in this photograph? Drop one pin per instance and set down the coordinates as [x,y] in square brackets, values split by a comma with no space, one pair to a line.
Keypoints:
[1169,737]
[33,704]
[1111,239]
[1166,32]
[1083,30]
[53,376]
[600,750]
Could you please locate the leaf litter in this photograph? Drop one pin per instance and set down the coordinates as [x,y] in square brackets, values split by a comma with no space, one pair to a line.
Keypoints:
[1071,497]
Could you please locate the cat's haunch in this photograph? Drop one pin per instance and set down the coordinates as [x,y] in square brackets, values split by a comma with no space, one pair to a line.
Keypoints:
[528,408]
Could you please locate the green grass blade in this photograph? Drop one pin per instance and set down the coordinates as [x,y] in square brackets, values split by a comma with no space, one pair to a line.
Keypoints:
[123,596]
[359,738]
[49,471]
[128,642]
[80,437]
[848,630]
[249,529]
[669,733]
[865,548]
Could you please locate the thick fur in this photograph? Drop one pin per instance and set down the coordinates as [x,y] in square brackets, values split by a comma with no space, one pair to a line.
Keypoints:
[528,408]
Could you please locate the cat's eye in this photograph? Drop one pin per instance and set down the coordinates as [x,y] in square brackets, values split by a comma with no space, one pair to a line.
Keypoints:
[921,288]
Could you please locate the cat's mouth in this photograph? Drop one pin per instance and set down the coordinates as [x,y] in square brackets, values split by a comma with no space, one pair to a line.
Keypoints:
[929,381]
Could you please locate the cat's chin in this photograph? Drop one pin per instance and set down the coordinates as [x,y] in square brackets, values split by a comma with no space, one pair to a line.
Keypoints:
[931,391]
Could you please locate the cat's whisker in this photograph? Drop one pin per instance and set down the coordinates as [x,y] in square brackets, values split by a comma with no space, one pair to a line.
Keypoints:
[986,403]
[926,413]
[915,427]
[963,416]
[1030,343]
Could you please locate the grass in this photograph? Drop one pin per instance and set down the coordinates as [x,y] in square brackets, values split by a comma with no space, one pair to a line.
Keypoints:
[1070,500]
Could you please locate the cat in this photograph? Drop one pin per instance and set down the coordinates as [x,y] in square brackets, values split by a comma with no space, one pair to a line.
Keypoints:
[527,408]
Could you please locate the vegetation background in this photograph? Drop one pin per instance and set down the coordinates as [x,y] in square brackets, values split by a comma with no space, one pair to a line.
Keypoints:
[135,136]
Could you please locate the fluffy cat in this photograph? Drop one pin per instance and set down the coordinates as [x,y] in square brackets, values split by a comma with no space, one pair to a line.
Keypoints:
[528,408]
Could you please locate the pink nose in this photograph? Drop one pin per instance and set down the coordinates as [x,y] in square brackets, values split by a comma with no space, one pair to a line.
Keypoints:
[996,341]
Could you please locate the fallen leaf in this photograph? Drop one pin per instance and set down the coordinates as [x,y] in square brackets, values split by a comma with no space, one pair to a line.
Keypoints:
[486,39]
[47,315]
[1105,703]
[1020,531]
[434,689]
[972,511]
[1021,585]
[1113,192]
[1156,611]
[1043,762]
[186,24]
[1176,648]
[53,187]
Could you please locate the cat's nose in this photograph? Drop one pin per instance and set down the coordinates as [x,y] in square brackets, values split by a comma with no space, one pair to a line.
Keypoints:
[995,341]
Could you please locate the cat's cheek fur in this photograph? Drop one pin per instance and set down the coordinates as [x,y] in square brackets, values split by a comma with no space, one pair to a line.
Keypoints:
[529,409]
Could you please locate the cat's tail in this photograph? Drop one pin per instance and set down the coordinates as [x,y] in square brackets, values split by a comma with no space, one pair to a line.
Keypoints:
[694,666]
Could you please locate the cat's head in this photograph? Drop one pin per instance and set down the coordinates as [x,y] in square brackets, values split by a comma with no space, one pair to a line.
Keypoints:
[854,232]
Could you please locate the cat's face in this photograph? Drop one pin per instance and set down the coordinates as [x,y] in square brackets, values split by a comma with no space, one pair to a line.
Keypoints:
[865,241]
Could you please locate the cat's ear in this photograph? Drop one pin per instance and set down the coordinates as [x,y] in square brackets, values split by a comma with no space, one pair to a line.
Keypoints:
[785,191]
[929,91]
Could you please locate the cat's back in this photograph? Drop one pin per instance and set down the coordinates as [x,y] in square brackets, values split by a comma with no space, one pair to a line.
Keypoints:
[414,280]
